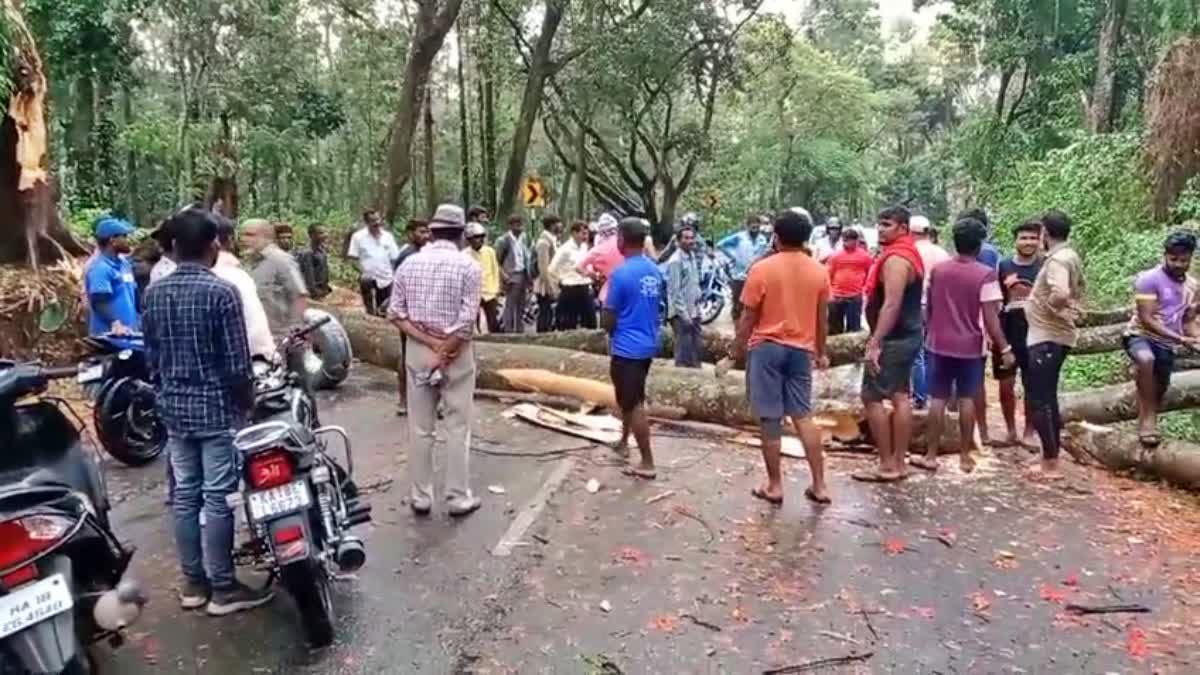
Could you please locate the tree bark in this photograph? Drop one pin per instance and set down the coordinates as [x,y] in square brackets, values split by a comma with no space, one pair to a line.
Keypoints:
[1176,462]
[83,125]
[31,230]
[487,109]
[464,130]
[841,349]
[540,68]
[433,20]
[1118,402]
[1103,105]
[431,192]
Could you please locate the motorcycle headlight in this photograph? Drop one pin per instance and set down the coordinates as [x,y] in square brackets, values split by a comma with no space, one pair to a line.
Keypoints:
[125,354]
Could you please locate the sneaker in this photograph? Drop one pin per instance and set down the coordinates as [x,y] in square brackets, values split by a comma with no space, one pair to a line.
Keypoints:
[237,599]
[465,506]
[194,595]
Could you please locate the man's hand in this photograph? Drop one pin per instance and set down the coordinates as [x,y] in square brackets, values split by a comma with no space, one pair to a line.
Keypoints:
[739,352]
[1008,360]
[871,356]
[119,328]
[1192,342]
[822,361]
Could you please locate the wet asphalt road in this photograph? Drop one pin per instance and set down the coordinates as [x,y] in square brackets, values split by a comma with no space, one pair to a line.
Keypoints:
[704,579]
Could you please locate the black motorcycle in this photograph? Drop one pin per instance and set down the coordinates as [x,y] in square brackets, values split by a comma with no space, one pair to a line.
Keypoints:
[62,571]
[117,379]
[299,503]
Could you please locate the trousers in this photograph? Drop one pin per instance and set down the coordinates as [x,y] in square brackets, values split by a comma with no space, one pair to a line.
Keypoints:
[1045,365]
[456,393]
[205,470]
[513,320]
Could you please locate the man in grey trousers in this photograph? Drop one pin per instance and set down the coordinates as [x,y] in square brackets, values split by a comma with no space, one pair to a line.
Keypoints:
[435,302]
[513,254]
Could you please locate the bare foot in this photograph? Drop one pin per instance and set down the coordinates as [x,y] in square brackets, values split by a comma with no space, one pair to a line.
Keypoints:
[878,476]
[966,462]
[925,462]
[1006,442]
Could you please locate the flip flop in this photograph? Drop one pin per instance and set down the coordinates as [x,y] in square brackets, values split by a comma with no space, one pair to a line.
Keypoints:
[875,477]
[1150,440]
[922,463]
[635,472]
[812,497]
[760,494]
[1000,443]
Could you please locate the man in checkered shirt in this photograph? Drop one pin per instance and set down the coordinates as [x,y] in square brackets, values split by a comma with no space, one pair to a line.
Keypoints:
[435,303]
[198,353]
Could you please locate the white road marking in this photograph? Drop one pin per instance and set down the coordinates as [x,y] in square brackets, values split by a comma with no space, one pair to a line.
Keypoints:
[532,509]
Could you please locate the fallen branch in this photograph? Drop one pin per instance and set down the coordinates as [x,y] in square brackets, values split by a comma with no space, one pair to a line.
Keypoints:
[867,617]
[701,622]
[689,513]
[820,663]
[1107,609]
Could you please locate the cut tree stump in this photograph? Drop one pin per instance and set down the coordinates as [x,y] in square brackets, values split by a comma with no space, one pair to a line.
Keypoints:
[1176,462]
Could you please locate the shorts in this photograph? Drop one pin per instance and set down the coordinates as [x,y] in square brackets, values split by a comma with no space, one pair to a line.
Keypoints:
[1016,330]
[779,381]
[895,369]
[629,381]
[1163,356]
[948,374]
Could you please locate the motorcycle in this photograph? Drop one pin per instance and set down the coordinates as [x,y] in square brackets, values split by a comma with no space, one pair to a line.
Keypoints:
[298,502]
[63,582]
[116,377]
[279,391]
[714,288]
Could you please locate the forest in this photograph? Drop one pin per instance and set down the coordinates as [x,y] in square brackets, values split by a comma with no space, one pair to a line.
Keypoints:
[307,112]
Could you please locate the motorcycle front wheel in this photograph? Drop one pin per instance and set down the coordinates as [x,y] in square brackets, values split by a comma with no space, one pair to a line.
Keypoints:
[309,586]
[710,309]
[127,422]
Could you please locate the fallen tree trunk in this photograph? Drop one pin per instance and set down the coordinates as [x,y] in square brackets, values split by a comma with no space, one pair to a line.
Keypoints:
[1117,403]
[1176,462]
[700,394]
[841,349]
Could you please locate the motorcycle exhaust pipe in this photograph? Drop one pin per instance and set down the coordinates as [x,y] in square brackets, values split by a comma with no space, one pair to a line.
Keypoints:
[350,555]
[118,608]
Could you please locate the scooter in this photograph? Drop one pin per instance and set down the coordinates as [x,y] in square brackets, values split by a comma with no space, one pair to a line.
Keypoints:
[116,377]
[63,582]
[298,502]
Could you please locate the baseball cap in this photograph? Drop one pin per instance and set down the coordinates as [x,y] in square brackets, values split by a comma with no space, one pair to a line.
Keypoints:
[476,230]
[447,216]
[109,227]
[918,224]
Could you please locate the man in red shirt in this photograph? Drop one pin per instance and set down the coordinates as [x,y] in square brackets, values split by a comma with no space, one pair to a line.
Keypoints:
[848,277]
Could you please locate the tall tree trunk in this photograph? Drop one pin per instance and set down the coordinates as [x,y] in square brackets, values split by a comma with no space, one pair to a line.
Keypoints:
[540,67]
[83,124]
[581,164]
[133,203]
[464,131]
[432,22]
[1103,107]
[431,191]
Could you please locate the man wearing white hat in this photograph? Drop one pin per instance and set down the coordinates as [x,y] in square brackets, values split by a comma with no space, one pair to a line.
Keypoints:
[435,302]
[931,256]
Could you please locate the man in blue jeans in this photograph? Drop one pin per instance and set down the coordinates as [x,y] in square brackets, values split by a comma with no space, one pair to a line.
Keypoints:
[198,352]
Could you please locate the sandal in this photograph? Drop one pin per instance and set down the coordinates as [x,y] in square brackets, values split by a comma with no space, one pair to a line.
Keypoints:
[762,494]
[636,472]
[1150,440]
[812,497]
[921,462]
[876,477]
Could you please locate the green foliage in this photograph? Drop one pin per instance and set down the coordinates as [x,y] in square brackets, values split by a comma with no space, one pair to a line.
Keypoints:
[1097,180]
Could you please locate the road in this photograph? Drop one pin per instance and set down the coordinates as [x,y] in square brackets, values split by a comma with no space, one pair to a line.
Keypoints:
[689,574]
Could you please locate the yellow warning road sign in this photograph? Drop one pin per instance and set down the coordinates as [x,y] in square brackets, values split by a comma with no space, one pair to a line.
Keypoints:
[534,192]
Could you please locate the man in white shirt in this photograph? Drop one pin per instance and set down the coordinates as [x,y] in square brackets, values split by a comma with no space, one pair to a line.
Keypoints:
[374,249]
[229,268]
[932,255]
[576,306]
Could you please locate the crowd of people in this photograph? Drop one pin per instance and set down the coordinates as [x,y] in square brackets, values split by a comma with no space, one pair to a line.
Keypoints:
[932,319]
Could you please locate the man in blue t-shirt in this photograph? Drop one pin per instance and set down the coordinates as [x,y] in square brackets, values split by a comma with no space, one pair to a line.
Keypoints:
[632,321]
[111,289]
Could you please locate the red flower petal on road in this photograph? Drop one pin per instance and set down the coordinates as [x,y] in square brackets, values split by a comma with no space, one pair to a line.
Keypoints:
[894,545]
[1052,594]
[1135,642]
[1072,580]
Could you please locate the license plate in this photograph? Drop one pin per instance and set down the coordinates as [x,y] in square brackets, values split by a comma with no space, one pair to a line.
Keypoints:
[279,500]
[33,604]
[91,373]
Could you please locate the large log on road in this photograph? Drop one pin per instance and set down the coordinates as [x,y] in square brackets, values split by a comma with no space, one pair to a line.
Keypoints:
[1116,403]
[1176,462]
[842,349]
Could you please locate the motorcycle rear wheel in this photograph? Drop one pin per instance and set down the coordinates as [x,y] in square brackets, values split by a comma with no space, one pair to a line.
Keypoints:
[309,586]
[127,423]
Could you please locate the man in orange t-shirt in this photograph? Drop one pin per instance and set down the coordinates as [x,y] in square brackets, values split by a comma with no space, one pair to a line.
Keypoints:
[848,270]
[783,325]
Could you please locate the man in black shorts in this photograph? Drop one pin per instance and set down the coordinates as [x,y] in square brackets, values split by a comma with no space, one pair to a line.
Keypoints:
[1017,274]
[894,288]
[632,321]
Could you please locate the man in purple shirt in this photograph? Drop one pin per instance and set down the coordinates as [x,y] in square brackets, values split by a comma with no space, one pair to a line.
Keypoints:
[959,290]
[1164,316]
